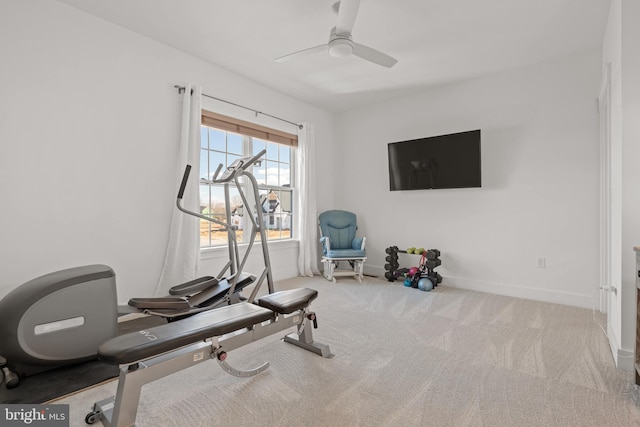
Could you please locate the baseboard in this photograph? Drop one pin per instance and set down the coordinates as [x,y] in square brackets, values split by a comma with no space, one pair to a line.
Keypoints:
[536,294]
[624,359]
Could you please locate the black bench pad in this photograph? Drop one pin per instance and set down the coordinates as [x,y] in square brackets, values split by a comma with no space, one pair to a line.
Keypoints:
[285,302]
[142,345]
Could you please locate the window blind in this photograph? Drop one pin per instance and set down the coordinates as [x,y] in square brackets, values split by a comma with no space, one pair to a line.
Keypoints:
[242,127]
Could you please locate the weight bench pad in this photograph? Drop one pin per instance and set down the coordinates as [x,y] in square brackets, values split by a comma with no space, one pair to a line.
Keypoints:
[160,339]
[285,302]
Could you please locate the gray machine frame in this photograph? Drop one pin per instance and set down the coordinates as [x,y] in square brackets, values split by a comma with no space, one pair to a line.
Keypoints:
[173,307]
[121,410]
[239,169]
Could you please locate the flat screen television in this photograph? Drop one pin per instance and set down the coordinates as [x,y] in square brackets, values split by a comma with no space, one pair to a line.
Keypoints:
[437,162]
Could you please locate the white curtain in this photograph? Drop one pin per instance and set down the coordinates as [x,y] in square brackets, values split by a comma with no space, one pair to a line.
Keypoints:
[182,258]
[306,186]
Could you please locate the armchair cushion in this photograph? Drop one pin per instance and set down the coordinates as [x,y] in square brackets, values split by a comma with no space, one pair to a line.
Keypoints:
[345,253]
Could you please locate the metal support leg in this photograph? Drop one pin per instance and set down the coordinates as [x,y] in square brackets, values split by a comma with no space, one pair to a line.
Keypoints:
[121,410]
[304,339]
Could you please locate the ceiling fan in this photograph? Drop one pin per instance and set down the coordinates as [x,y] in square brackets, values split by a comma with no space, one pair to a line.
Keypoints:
[341,43]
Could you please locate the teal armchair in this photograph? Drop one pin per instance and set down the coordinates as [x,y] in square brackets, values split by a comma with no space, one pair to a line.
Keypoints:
[340,244]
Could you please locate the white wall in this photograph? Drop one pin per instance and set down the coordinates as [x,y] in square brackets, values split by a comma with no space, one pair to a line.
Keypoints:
[620,50]
[540,189]
[89,125]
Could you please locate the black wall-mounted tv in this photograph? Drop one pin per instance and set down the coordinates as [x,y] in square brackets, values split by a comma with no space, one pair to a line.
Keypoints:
[437,162]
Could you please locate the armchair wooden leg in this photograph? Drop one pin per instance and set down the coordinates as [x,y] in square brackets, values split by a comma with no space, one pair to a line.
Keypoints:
[359,268]
[328,267]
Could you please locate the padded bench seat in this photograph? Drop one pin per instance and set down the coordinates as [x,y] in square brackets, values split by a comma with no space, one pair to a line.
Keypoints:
[285,302]
[141,345]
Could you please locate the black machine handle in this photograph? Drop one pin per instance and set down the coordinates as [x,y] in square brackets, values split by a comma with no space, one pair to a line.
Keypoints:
[183,186]
[185,178]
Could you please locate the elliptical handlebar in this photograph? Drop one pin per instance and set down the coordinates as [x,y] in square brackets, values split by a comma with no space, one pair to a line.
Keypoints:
[254,159]
[183,184]
[236,168]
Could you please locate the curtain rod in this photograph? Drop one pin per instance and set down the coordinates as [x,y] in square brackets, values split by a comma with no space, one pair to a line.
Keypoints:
[182,88]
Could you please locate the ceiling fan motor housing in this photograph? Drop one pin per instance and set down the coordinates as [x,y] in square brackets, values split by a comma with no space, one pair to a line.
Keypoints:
[340,47]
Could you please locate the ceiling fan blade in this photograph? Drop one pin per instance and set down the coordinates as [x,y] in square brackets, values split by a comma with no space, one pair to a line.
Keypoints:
[347,12]
[373,55]
[303,52]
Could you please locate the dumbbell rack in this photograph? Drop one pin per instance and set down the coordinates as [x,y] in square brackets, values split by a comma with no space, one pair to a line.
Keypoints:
[393,272]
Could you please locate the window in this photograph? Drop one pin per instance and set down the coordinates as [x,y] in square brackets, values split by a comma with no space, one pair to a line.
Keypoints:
[222,141]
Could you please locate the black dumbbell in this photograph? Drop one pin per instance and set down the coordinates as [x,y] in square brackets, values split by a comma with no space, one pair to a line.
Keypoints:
[391,266]
[433,253]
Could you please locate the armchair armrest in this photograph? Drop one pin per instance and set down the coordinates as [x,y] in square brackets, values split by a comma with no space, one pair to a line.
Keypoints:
[358,243]
[326,245]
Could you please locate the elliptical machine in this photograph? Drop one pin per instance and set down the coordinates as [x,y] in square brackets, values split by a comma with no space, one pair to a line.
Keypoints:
[209,292]
[62,317]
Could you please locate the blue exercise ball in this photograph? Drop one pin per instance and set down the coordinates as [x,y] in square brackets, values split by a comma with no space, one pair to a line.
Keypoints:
[425,284]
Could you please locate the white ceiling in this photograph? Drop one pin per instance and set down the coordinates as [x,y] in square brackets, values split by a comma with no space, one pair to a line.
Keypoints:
[435,41]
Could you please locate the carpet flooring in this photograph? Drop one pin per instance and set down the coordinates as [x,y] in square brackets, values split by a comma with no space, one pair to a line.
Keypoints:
[403,357]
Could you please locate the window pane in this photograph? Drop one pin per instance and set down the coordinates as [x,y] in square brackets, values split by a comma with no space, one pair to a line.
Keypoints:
[217,139]
[285,154]
[205,201]
[217,198]
[280,225]
[285,175]
[272,151]
[272,173]
[215,159]
[234,143]
[260,173]
[204,165]
[258,145]
[205,209]
[205,234]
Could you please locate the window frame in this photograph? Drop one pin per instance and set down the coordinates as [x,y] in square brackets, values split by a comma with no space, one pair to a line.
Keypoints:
[248,133]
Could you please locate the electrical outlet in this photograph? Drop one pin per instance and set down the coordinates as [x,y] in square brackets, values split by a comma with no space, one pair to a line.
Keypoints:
[541,262]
